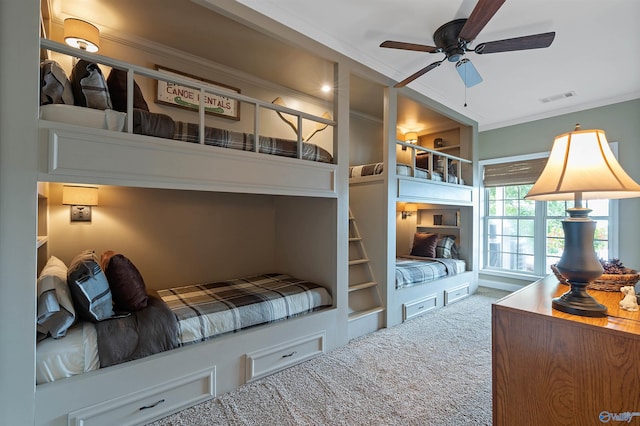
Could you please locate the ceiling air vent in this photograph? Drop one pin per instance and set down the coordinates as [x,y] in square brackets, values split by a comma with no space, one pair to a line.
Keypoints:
[558,97]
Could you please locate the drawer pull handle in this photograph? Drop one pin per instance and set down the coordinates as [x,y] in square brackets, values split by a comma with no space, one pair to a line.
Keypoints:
[288,355]
[152,405]
[421,307]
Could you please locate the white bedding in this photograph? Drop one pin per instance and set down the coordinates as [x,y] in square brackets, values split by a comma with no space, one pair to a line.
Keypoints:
[87,117]
[76,353]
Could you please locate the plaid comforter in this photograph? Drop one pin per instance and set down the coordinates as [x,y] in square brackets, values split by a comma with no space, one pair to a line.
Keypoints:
[189,132]
[411,271]
[207,310]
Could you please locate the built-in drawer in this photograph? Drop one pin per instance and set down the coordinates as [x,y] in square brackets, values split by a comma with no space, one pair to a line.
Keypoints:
[267,361]
[151,404]
[419,306]
[459,292]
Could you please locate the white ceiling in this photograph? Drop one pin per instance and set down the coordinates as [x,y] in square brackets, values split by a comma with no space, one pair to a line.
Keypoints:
[594,54]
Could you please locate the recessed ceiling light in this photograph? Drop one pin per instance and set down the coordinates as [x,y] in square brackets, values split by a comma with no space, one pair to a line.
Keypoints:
[326,88]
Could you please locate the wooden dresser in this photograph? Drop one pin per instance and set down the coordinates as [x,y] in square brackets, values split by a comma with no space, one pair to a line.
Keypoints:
[553,368]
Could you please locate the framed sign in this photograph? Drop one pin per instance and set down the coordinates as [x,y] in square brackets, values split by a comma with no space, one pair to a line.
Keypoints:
[189,98]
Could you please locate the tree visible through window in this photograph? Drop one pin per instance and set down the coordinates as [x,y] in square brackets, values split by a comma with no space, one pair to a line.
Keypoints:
[526,236]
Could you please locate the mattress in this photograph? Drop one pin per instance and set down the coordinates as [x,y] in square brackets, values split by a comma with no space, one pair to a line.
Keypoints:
[208,310]
[413,270]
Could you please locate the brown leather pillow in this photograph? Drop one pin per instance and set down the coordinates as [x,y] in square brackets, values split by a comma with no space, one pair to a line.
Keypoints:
[424,244]
[127,286]
[117,83]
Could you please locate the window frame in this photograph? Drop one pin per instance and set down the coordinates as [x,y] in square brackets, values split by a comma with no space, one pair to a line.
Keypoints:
[539,223]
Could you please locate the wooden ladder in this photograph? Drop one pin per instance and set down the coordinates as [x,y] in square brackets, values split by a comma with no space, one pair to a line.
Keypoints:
[365,306]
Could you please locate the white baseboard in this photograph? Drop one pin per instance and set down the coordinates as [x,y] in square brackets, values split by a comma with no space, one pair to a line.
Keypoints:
[499,285]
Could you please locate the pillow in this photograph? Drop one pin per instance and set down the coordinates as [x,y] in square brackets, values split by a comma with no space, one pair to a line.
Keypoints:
[422,161]
[444,246]
[89,87]
[89,288]
[117,84]
[153,124]
[55,307]
[424,244]
[55,87]
[127,286]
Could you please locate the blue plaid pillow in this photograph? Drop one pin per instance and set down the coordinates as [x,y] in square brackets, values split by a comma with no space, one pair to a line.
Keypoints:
[89,288]
[444,246]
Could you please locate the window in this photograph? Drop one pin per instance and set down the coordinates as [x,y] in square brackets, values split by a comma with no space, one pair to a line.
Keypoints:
[525,236]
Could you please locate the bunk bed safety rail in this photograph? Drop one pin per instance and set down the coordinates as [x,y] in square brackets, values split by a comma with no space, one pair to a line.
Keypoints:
[416,149]
[204,88]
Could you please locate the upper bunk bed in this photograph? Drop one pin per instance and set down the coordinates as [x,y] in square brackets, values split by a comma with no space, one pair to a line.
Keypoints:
[425,154]
[84,137]
[422,174]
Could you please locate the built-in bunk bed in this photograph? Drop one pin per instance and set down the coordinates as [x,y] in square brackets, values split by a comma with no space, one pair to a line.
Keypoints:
[423,195]
[118,348]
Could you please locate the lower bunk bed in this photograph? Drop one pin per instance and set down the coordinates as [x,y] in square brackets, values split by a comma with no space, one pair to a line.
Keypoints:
[424,284]
[176,317]
[184,346]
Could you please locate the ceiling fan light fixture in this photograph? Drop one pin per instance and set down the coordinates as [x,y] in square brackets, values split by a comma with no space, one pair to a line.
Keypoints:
[468,73]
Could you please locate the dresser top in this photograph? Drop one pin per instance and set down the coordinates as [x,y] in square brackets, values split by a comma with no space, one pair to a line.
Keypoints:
[536,298]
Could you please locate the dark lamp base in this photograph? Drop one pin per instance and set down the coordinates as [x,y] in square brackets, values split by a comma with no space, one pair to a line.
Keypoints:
[578,302]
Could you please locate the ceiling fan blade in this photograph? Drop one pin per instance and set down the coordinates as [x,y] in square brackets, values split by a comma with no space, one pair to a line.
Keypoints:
[535,41]
[468,73]
[418,74]
[409,46]
[482,13]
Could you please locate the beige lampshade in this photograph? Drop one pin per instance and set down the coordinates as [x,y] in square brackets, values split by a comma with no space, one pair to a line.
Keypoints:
[81,34]
[80,195]
[581,162]
[411,137]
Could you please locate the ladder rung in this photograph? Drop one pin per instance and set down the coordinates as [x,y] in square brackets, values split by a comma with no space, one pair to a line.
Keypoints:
[362,286]
[354,239]
[360,314]
[358,261]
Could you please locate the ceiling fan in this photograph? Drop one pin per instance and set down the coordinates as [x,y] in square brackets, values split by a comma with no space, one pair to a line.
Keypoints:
[453,39]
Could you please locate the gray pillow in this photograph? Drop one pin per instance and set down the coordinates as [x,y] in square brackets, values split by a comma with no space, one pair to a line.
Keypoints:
[55,307]
[89,86]
[444,246]
[89,288]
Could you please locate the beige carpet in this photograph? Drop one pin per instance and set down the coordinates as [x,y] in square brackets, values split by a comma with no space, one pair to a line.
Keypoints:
[432,370]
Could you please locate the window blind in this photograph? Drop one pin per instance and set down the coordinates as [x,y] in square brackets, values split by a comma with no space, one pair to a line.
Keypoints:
[513,173]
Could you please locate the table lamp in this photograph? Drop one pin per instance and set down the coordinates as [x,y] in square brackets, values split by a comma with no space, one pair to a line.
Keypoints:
[581,166]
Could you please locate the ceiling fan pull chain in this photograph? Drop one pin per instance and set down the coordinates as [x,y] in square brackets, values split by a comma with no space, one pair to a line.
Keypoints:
[465,87]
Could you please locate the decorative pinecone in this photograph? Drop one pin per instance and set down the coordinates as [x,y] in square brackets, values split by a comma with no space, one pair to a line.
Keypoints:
[613,266]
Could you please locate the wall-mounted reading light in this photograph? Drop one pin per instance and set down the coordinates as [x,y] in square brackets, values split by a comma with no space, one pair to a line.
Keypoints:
[81,34]
[409,209]
[80,198]
[410,137]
